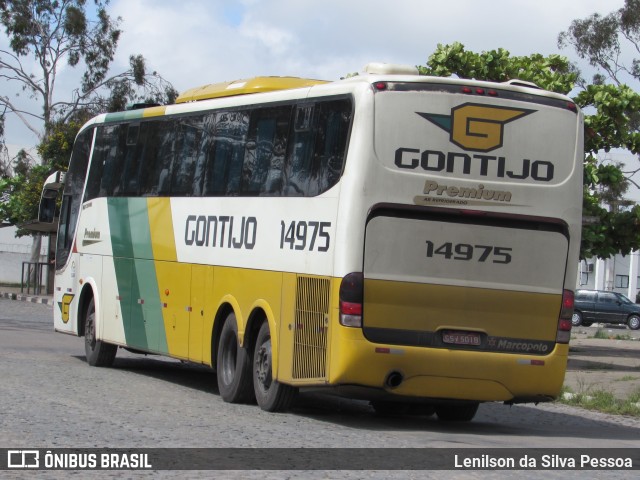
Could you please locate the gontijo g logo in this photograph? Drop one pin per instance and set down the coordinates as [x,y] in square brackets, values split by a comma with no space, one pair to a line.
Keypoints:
[475,126]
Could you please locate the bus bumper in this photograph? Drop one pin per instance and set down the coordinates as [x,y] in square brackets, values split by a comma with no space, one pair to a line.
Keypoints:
[440,373]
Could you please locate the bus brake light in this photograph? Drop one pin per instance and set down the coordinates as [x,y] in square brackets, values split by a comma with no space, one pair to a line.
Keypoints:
[564,321]
[351,295]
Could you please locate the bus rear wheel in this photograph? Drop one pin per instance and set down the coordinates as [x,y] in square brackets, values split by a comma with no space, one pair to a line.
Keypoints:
[233,365]
[271,395]
[457,413]
[97,352]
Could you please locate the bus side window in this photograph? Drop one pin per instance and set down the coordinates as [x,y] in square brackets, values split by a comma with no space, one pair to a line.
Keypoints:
[72,196]
[155,176]
[331,141]
[133,159]
[114,160]
[224,172]
[205,155]
[203,178]
[188,151]
[94,179]
[104,174]
[298,166]
[265,149]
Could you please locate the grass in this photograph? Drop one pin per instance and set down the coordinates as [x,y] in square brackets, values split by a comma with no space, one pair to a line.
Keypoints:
[601,333]
[623,337]
[602,401]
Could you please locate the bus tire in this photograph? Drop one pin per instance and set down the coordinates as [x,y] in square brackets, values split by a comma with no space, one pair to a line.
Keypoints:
[233,365]
[271,395]
[97,352]
[457,413]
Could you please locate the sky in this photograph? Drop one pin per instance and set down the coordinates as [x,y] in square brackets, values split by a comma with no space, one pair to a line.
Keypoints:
[196,42]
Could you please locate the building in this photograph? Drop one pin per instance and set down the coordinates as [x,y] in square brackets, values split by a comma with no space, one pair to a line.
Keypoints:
[618,274]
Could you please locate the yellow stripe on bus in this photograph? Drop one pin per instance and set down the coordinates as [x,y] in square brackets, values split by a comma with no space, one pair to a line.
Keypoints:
[174,279]
[161,225]
[154,111]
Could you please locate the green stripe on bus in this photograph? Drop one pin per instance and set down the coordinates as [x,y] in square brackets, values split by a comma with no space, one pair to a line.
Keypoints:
[137,283]
[145,273]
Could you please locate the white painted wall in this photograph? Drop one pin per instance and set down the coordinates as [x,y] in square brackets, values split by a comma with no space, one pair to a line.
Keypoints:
[14,251]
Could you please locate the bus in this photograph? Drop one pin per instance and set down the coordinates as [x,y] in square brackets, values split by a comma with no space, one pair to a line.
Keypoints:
[389,237]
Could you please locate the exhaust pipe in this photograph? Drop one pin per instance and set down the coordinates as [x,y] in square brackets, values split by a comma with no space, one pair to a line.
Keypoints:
[394,379]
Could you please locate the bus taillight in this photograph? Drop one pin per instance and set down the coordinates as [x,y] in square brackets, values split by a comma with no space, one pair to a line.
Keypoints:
[564,322]
[351,294]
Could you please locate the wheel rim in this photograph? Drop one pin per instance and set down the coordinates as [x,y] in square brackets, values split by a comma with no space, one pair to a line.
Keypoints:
[634,322]
[229,354]
[263,365]
[575,319]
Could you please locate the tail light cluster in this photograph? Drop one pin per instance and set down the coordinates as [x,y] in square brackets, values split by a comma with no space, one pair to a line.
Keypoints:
[564,322]
[351,295]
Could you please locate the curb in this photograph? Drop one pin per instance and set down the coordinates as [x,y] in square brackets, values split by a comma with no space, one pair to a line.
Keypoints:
[27,298]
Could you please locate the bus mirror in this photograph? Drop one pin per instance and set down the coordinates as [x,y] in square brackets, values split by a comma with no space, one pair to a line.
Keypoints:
[47,210]
[55,181]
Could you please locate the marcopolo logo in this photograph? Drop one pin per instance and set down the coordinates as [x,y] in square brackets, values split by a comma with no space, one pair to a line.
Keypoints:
[475,126]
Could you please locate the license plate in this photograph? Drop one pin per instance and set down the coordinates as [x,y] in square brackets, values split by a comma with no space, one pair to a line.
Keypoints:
[461,338]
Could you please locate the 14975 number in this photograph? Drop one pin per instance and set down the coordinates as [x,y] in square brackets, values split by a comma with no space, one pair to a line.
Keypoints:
[464,251]
[303,235]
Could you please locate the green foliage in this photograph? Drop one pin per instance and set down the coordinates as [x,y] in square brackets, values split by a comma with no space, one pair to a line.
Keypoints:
[24,196]
[614,123]
[25,185]
[553,72]
[601,334]
[55,150]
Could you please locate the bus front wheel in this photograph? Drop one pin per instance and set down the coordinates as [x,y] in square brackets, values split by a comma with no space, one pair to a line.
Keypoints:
[233,365]
[97,352]
[271,395]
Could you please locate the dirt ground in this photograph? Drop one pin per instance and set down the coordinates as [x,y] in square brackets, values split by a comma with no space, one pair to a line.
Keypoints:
[604,364]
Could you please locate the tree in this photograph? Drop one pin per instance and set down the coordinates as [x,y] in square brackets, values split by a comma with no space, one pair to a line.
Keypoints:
[50,33]
[609,124]
[24,188]
[600,40]
[604,42]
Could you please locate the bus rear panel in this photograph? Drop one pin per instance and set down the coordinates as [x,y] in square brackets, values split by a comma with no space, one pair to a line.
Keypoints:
[470,244]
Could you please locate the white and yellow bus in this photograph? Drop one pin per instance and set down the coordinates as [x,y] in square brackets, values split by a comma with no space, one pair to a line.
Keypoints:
[392,237]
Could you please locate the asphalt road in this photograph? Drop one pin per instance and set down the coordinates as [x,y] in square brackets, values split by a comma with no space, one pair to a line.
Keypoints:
[51,399]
